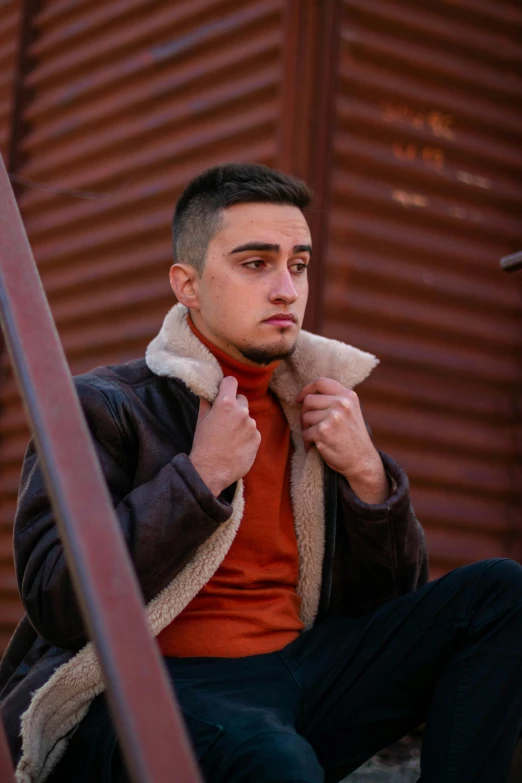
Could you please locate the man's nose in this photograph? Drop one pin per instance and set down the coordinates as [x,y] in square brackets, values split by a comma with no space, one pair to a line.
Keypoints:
[284,288]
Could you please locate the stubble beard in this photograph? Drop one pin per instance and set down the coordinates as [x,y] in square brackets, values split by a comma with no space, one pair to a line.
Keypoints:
[265,355]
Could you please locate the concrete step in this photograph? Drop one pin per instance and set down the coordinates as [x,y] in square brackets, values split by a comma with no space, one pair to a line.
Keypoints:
[375,771]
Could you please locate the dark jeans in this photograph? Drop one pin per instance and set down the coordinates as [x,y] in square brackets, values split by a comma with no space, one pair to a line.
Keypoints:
[449,654]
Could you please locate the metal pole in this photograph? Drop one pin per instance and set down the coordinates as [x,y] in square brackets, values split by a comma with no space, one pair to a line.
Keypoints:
[511,263]
[150,728]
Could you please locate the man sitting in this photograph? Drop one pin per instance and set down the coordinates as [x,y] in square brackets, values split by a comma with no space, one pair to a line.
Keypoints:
[284,570]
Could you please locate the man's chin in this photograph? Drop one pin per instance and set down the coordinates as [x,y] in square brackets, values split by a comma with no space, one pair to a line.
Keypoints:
[266,354]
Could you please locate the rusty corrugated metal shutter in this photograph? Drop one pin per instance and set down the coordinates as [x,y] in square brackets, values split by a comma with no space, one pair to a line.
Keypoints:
[130,99]
[427,192]
[9,20]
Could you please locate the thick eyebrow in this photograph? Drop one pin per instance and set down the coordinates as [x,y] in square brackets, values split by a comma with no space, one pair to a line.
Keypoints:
[266,247]
[259,246]
[303,249]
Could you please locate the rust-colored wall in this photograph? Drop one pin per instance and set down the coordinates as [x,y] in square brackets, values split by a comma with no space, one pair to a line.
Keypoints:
[128,101]
[125,100]
[426,197]
[9,21]
[9,24]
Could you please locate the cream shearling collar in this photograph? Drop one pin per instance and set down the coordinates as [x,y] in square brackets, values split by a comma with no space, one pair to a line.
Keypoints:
[177,353]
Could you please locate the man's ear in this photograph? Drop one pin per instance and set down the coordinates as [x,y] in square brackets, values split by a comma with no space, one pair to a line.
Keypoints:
[184,280]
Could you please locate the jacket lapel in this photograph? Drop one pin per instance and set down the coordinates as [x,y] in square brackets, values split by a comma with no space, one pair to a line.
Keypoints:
[177,353]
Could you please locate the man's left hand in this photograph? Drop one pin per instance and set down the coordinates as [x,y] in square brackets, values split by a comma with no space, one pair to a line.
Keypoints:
[332,421]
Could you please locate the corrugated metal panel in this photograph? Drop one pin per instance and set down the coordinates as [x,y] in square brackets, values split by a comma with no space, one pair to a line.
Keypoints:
[130,100]
[426,198]
[9,25]
[9,21]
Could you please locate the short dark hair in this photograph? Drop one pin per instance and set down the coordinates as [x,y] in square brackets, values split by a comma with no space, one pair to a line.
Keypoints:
[198,213]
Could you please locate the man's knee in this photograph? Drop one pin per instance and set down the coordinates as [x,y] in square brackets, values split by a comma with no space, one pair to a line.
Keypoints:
[501,571]
[498,594]
[504,575]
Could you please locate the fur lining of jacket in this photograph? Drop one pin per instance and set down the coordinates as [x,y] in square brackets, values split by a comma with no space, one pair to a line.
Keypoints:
[59,705]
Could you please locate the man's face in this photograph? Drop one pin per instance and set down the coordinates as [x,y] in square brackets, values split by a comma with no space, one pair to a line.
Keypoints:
[255,270]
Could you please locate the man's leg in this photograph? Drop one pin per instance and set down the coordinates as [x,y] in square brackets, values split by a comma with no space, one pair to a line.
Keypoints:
[449,654]
[240,714]
[254,702]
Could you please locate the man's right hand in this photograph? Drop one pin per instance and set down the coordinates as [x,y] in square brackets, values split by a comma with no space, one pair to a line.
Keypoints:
[226,438]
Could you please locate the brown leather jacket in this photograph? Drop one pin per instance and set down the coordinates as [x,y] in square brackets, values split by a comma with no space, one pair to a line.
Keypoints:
[142,425]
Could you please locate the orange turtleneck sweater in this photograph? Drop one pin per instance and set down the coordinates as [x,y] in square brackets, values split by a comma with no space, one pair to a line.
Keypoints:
[250,605]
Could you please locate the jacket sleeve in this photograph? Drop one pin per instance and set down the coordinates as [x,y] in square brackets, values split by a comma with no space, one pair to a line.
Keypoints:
[163,522]
[387,555]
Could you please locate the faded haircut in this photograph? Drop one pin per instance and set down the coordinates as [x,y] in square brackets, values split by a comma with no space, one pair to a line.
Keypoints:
[199,211]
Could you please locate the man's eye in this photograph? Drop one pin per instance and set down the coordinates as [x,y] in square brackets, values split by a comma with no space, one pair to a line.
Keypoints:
[256,261]
[301,268]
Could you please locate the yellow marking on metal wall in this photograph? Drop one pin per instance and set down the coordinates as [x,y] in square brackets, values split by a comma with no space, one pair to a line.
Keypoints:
[409,199]
[432,157]
[473,179]
[437,121]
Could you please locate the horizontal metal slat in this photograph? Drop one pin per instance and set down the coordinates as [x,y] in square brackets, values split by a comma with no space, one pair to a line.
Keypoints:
[412,386]
[450,251]
[150,210]
[132,294]
[118,41]
[426,130]
[12,449]
[4,137]
[390,197]
[433,318]
[12,611]
[112,76]
[443,470]
[7,581]
[6,534]
[470,188]
[62,25]
[460,511]
[67,279]
[113,175]
[399,90]
[143,91]
[415,275]
[443,432]
[436,25]
[495,14]
[132,131]
[399,54]
[7,54]
[50,13]
[9,20]
[455,549]
[412,351]
[14,422]
[8,508]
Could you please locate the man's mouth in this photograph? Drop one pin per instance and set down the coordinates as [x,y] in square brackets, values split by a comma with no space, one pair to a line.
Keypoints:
[281,320]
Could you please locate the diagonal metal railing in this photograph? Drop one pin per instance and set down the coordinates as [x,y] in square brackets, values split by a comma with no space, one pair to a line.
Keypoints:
[149,725]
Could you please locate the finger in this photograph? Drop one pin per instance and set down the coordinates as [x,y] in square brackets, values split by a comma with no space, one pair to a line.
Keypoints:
[310,435]
[310,418]
[242,400]
[204,407]
[316,402]
[227,388]
[320,386]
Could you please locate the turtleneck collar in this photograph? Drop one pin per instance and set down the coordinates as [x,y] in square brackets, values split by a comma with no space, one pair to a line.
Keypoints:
[252,380]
